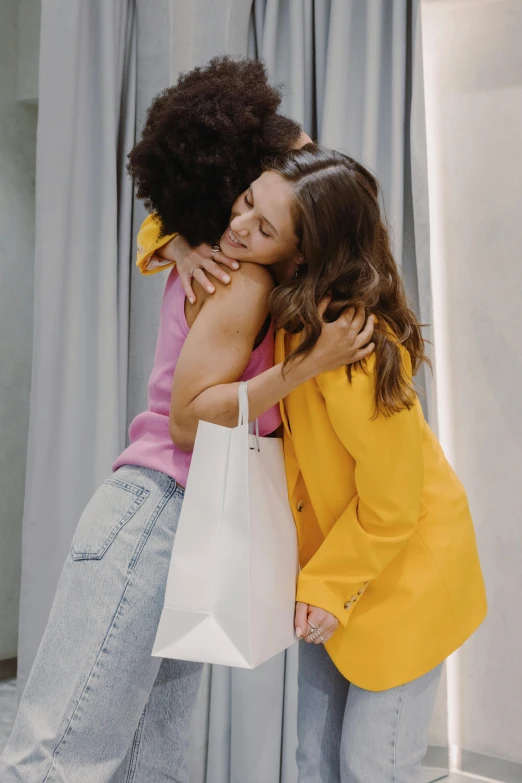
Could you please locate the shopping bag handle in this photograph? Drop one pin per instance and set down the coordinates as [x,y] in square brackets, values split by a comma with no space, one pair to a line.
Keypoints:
[243,410]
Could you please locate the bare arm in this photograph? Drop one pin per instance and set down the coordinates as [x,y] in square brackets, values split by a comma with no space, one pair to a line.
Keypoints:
[216,352]
[218,348]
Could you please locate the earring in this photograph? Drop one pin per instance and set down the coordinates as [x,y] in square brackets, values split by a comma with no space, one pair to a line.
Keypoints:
[296,275]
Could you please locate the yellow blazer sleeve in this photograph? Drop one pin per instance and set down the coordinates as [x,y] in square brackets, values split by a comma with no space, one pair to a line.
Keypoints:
[382,516]
[148,242]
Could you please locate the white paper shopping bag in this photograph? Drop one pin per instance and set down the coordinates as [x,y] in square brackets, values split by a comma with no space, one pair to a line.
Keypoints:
[230,593]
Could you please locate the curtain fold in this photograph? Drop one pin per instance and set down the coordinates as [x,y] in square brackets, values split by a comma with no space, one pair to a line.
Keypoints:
[343,63]
[83,234]
[244,727]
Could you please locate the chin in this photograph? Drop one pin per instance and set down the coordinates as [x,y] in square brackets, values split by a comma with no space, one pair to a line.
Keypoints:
[231,250]
[228,241]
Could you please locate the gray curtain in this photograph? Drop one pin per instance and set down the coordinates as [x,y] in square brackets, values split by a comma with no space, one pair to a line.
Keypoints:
[350,70]
[345,65]
[81,300]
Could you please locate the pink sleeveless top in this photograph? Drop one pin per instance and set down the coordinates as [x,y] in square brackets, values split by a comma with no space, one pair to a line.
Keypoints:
[150,442]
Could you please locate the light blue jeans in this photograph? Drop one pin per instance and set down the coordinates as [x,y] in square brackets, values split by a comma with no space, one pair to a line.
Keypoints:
[350,735]
[97,706]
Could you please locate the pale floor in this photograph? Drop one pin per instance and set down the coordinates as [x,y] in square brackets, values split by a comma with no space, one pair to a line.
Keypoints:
[443,777]
[8,711]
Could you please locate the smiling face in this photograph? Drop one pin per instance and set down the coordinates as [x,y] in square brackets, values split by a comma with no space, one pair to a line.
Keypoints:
[261,228]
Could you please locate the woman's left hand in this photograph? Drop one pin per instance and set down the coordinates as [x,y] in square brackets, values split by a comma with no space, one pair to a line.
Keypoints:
[307,616]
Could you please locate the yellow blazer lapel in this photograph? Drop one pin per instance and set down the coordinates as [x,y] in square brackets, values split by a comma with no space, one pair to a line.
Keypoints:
[279,356]
[292,466]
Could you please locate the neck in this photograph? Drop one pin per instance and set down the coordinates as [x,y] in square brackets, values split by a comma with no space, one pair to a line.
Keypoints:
[283,271]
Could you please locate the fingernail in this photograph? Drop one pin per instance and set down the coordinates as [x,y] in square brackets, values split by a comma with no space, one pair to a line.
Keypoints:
[226,279]
[298,632]
[235,265]
[210,289]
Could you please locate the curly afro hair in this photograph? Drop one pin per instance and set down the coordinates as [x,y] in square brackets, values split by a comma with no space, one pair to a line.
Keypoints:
[204,141]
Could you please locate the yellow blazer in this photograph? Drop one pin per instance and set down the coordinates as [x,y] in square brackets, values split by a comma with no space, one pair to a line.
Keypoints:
[386,539]
[149,241]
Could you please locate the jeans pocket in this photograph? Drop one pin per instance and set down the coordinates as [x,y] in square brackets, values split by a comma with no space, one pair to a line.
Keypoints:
[109,509]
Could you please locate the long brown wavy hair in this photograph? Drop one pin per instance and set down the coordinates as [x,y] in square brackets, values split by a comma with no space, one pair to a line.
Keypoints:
[346,250]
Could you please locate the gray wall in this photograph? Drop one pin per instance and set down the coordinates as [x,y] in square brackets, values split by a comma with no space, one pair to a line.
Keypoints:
[17,165]
[473,69]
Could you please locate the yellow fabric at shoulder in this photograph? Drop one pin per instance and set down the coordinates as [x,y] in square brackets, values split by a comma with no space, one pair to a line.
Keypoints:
[389,472]
[149,241]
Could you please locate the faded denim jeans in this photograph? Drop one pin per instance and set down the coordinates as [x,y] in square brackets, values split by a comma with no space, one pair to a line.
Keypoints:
[350,735]
[97,706]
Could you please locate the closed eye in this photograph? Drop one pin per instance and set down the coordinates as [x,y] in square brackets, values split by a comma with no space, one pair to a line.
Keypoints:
[250,205]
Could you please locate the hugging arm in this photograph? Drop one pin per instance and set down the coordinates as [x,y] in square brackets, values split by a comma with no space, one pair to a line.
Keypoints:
[218,348]
[156,252]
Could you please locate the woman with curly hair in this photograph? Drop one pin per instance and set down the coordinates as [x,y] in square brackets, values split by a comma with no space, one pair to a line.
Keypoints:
[97,707]
[203,142]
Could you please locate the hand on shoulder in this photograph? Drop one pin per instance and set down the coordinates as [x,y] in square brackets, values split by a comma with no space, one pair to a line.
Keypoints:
[249,286]
[241,304]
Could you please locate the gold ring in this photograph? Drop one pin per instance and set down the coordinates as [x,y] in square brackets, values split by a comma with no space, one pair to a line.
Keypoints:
[215,249]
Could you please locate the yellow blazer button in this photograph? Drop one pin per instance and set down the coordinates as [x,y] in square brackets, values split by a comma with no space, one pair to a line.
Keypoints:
[361,591]
[301,505]
[353,599]
[348,605]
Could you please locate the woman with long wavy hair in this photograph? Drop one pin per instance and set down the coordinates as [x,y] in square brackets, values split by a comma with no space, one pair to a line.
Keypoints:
[390,581]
